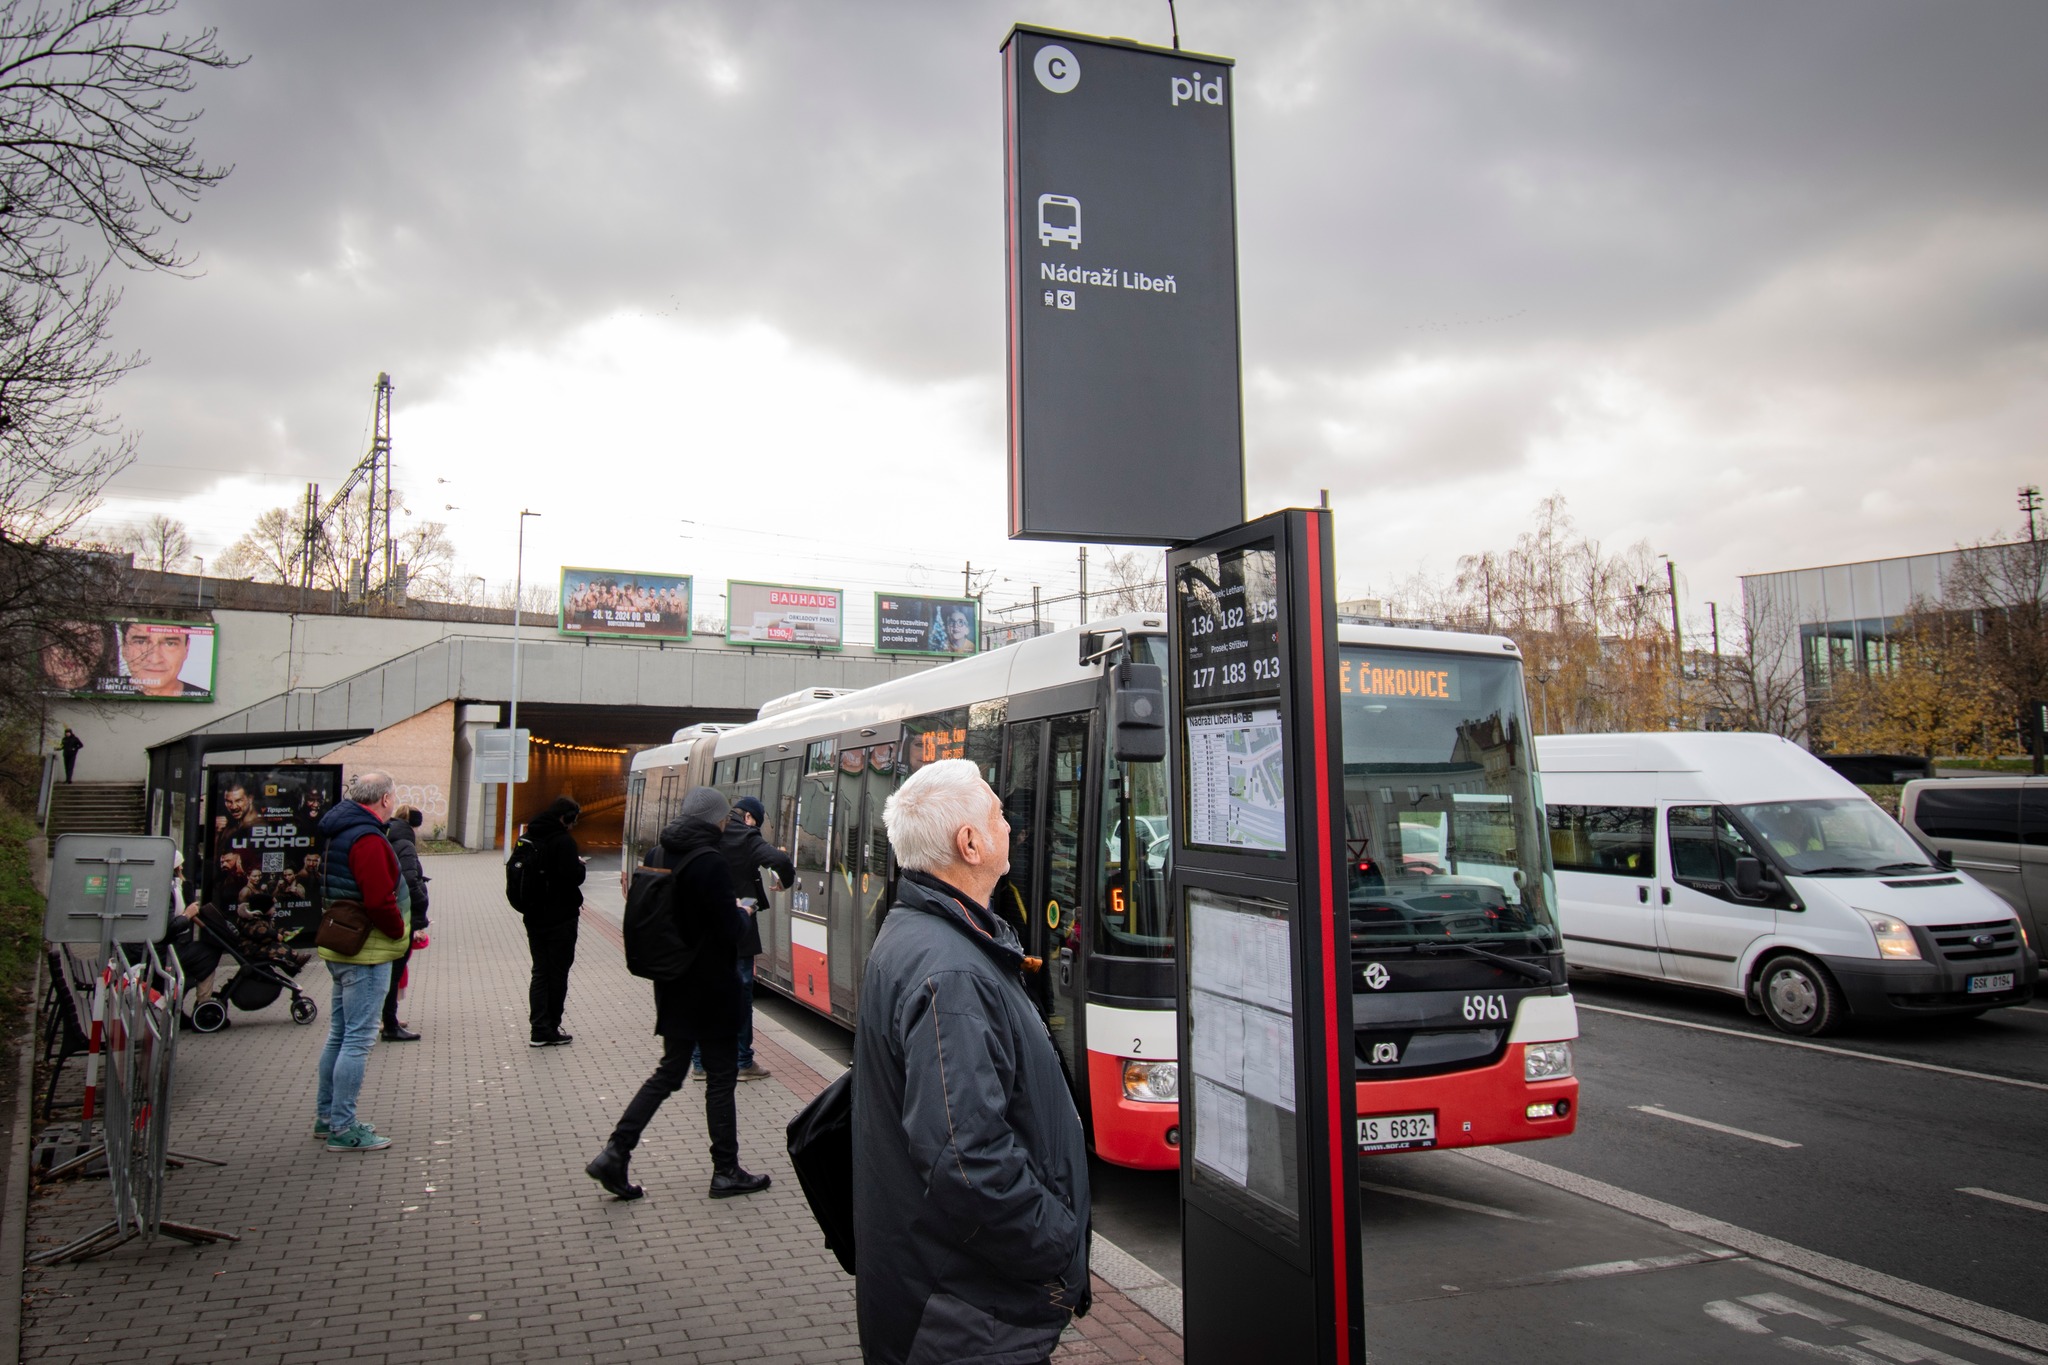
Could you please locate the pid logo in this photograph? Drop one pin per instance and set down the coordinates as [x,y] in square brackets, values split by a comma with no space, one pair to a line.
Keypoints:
[1192,89]
[1385,1054]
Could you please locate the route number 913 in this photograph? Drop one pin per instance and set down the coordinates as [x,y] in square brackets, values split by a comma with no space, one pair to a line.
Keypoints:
[1478,1007]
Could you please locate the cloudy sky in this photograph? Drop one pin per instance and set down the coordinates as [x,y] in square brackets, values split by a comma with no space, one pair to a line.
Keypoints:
[718,287]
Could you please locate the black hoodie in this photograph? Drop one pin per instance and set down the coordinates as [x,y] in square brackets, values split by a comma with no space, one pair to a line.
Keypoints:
[707,1001]
[560,867]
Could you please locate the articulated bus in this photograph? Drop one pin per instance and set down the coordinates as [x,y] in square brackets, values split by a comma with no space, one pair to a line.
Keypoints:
[1463,1020]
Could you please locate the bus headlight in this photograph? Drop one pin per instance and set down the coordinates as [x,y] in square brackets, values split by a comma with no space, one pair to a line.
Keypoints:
[1152,1082]
[1546,1061]
[1894,939]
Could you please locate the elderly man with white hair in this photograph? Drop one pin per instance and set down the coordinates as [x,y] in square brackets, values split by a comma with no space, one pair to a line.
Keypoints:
[970,1192]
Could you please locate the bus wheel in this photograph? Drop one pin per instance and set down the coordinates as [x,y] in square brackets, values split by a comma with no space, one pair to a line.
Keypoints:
[1799,997]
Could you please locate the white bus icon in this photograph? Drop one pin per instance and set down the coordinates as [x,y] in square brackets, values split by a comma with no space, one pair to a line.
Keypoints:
[1059,220]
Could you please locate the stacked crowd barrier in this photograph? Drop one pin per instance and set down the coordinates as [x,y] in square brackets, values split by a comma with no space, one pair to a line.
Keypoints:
[136,1015]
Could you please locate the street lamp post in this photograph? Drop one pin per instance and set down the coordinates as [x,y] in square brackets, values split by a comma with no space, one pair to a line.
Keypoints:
[511,749]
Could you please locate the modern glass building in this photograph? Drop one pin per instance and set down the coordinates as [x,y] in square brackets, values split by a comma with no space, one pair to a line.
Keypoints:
[1823,620]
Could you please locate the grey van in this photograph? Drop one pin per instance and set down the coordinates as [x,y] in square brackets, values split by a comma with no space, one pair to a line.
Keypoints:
[1996,829]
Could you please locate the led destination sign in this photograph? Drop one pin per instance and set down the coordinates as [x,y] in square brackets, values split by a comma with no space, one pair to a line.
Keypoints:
[1230,624]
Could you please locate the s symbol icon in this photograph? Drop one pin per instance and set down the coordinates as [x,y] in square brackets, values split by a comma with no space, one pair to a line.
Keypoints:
[1057,68]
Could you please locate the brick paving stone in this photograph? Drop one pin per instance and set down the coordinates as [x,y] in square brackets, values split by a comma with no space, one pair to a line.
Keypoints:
[476,1235]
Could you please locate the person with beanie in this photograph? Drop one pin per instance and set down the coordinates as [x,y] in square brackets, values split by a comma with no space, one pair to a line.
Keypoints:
[698,1011]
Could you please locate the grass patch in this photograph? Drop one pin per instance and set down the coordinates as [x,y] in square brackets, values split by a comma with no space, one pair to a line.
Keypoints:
[1987,765]
[442,846]
[21,920]
[1886,794]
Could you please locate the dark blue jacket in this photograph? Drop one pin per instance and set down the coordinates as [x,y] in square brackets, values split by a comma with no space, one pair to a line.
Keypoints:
[970,1188]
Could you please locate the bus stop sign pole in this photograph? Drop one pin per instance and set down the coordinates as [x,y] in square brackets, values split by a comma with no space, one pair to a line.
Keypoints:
[1269,1156]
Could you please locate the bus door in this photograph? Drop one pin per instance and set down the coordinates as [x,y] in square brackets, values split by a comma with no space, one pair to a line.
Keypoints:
[1045,786]
[860,862]
[809,938]
[778,799]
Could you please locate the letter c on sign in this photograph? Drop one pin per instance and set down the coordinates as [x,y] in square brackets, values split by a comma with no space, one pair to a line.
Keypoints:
[1057,69]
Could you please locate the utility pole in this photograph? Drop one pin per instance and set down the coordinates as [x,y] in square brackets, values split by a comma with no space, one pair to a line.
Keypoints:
[512,748]
[1677,647]
[1084,585]
[379,520]
[1714,618]
[2030,503]
[1037,627]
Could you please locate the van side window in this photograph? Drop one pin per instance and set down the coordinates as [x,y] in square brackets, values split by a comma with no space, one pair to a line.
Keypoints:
[1964,810]
[1704,846]
[1615,841]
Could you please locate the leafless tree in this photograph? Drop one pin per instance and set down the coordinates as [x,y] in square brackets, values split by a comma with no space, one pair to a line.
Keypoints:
[2003,585]
[1758,683]
[267,552]
[1132,580]
[159,542]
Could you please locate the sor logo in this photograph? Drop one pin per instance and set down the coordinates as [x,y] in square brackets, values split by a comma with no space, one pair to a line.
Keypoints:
[1384,1054]
[1376,976]
[1188,89]
[1057,69]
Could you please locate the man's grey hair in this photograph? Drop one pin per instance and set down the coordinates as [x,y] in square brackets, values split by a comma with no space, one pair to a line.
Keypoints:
[367,789]
[930,809]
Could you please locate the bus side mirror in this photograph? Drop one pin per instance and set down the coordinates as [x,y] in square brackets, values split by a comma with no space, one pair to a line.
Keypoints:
[1749,877]
[1139,712]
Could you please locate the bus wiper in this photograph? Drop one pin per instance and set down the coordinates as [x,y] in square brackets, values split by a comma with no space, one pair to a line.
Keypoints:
[1531,970]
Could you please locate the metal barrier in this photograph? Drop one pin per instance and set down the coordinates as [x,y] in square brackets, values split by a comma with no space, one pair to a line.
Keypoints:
[140,1036]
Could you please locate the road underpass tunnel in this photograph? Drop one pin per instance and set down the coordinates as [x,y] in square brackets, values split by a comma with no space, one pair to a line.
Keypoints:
[586,752]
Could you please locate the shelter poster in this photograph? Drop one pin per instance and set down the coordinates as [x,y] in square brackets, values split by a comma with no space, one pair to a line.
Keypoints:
[645,606]
[926,625]
[135,658]
[786,615]
[262,844]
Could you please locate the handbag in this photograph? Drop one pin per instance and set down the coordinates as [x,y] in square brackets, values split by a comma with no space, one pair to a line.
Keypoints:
[344,928]
[820,1140]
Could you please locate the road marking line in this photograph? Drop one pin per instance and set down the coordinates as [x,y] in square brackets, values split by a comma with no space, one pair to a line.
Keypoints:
[1906,1315]
[2036,1205]
[2026,1009]
[1816,1047]
[1447,1202]
[1978,1317]
[1717,1127]
[1603,1269]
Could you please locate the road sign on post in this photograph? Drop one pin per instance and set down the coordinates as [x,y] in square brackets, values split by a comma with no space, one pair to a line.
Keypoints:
[501,756]
[1125,411]
[1269,1156]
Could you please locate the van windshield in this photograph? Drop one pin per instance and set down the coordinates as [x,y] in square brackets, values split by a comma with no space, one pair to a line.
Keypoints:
[1839,837]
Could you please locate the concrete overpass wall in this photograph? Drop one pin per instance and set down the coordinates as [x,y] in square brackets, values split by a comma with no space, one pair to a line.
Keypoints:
[277,671]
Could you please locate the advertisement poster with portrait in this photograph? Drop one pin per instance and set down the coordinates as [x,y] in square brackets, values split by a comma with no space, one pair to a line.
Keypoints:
[263,849]
[784,614]
[135,658]
[926,625]
[622,602]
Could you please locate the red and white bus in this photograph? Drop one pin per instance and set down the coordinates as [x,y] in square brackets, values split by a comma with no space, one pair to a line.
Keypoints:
[1464,1023]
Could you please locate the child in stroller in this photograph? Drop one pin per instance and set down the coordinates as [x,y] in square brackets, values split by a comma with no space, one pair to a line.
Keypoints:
[264,966]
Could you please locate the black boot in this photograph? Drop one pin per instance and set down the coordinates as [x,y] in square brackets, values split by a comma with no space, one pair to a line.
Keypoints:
[736,1180]
[609,1170]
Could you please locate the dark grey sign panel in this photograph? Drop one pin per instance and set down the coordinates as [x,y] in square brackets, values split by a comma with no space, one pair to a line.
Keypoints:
[1269,1105]
[1125,412]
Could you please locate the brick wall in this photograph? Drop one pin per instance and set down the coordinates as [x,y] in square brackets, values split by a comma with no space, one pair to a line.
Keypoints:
[420,756]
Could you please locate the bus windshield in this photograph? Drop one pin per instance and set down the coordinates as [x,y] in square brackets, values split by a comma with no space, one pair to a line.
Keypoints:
[1136,920]
[1443,824]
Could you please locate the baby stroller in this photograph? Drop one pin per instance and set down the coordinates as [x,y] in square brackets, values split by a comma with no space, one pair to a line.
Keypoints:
[255,985]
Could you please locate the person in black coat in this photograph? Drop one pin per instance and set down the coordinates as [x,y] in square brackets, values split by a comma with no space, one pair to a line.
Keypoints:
[746,856]
[405,844]
[552,904]
[698,1011]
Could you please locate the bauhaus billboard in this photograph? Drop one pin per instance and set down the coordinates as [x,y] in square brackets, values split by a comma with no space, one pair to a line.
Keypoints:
[1125,413]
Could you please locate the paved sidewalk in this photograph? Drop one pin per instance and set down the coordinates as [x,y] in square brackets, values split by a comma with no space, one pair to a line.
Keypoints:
[475,1236]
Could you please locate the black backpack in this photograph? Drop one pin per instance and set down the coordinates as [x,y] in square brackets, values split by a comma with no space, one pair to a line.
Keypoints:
[526,886]
[654,941]
[820,1143]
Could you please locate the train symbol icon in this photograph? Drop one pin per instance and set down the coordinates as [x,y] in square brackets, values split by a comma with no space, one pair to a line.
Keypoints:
[1059,220]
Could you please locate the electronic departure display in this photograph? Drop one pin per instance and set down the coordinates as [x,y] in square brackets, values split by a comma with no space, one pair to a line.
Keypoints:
[1230,626]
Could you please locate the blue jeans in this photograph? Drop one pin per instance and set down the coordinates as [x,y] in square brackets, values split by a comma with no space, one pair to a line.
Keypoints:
[351,1033]
[746,1023]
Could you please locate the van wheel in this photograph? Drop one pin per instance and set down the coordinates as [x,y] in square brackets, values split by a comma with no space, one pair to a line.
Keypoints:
[1799,997]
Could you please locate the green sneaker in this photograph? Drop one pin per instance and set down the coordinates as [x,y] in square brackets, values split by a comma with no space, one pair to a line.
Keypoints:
[359,1138]
[322,1132]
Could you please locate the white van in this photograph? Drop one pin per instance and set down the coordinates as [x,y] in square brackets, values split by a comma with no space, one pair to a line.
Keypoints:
[1741,863]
